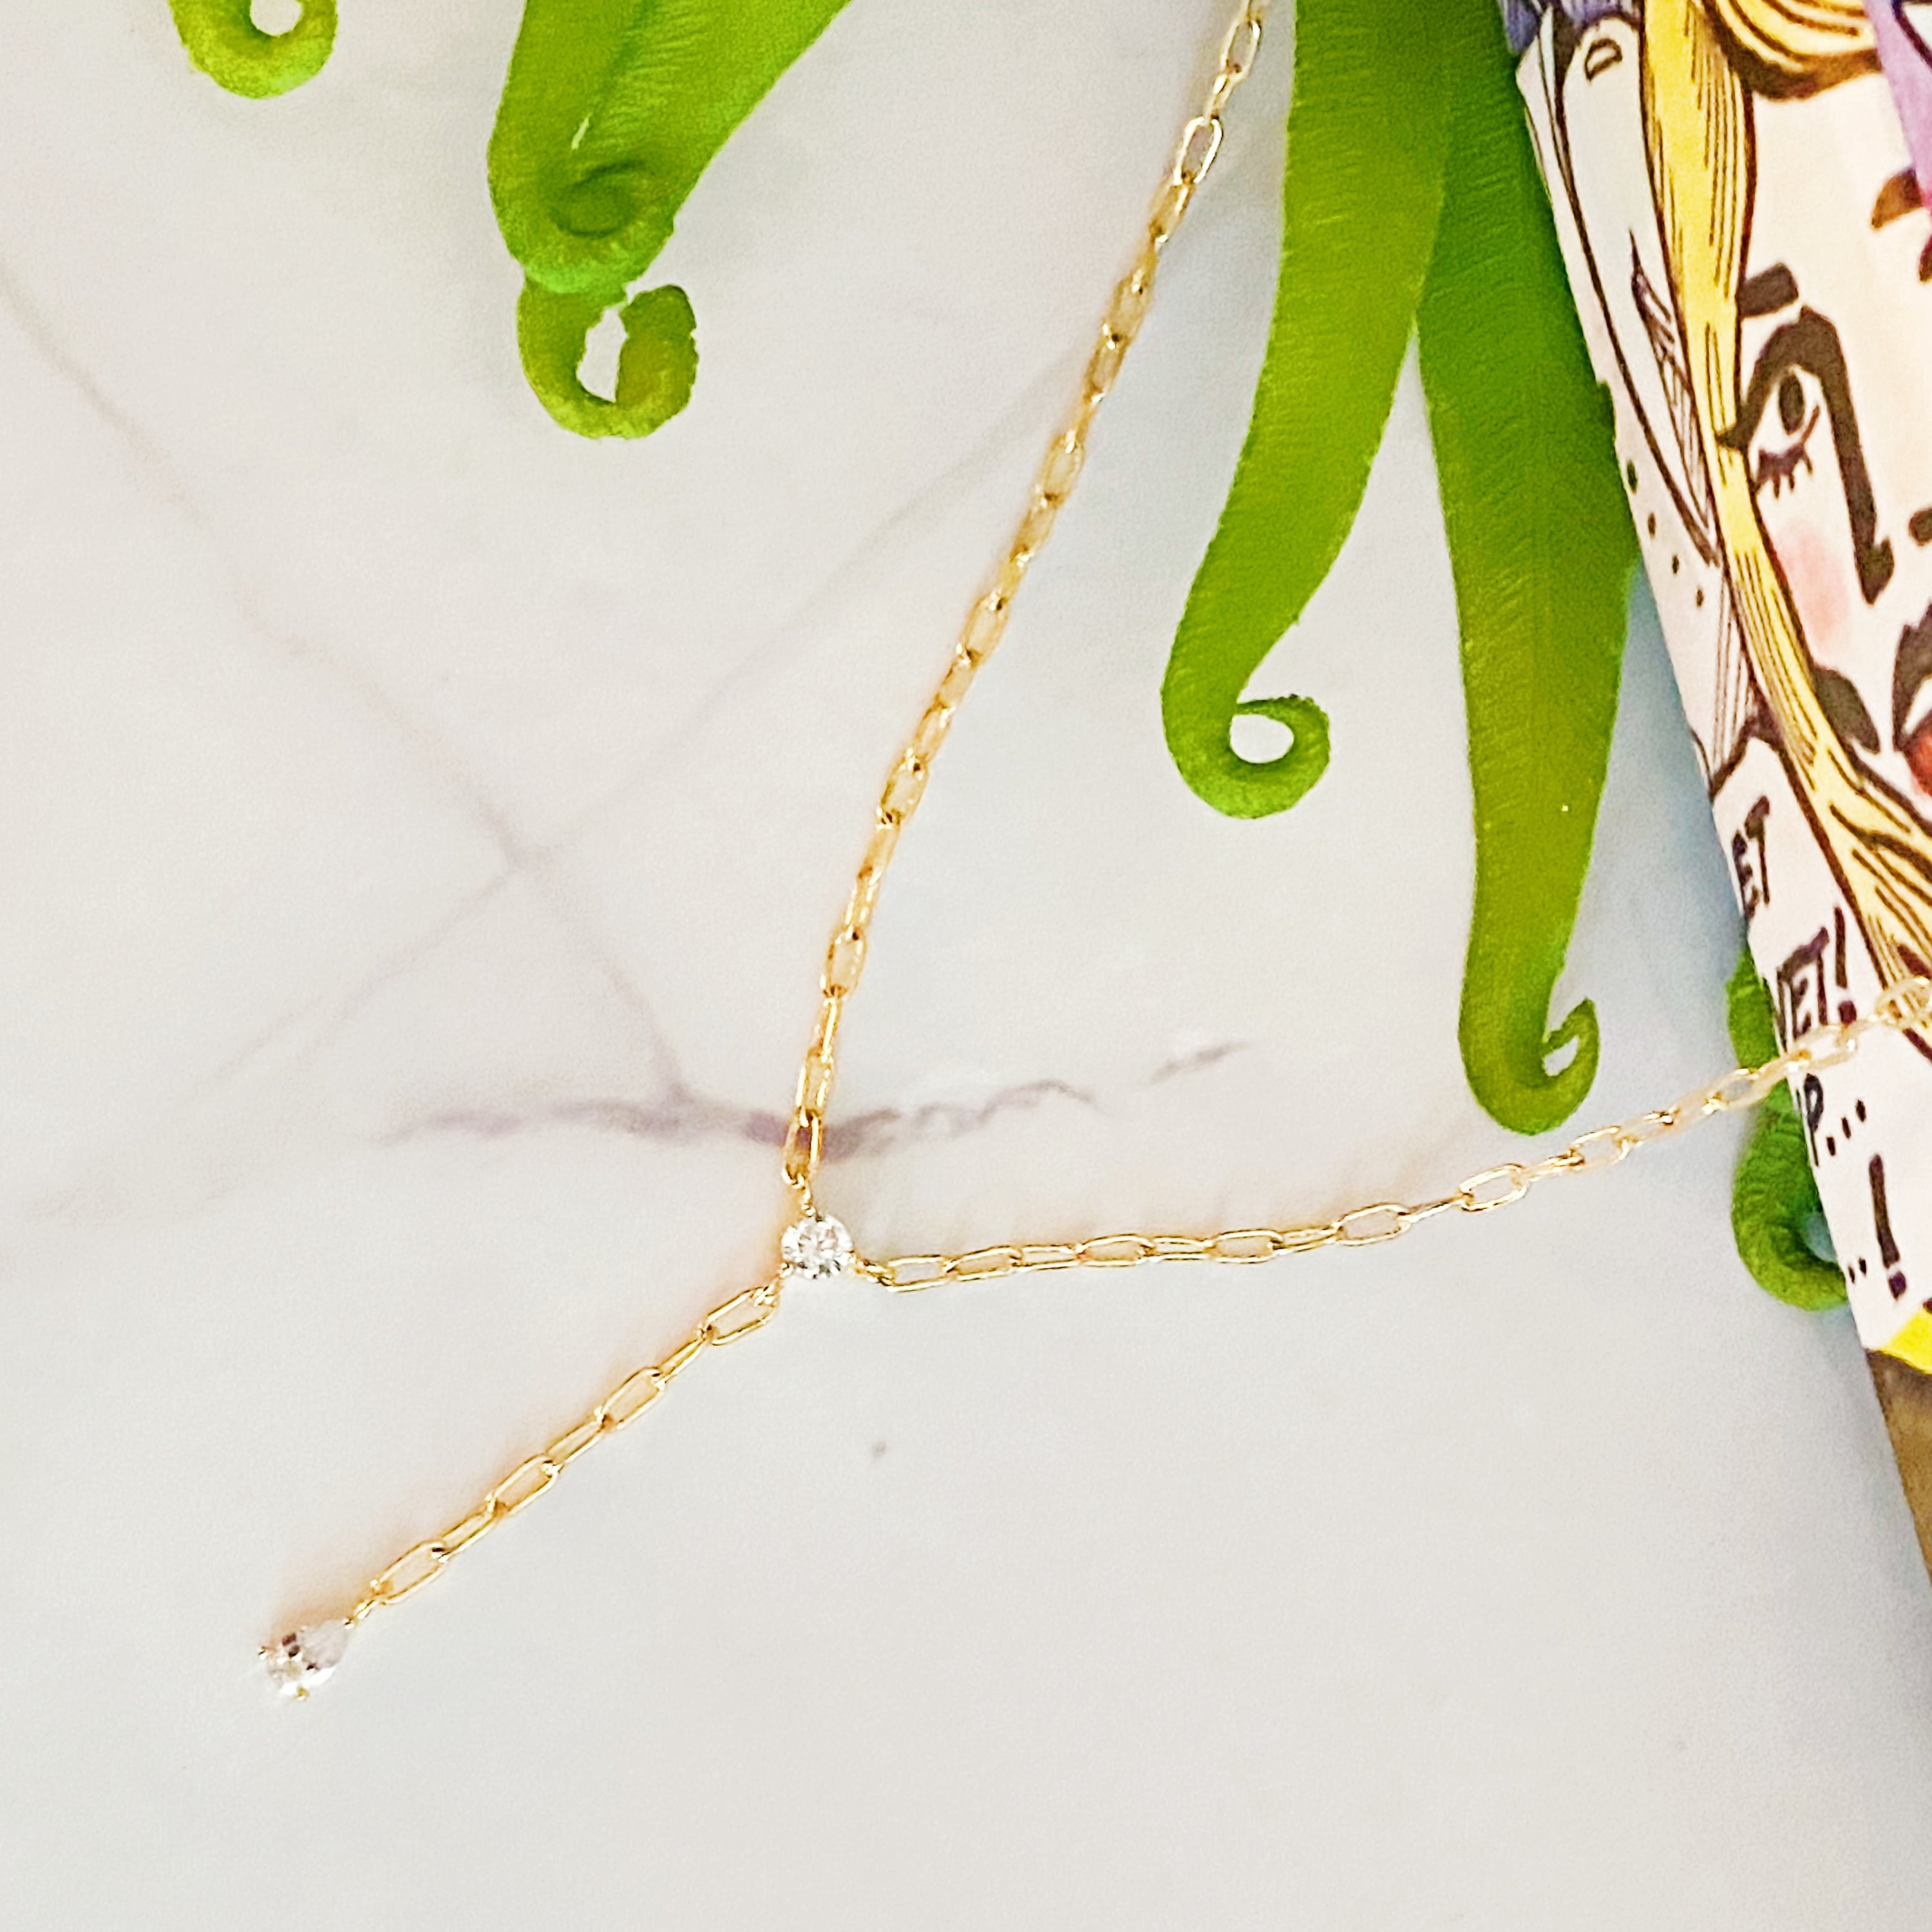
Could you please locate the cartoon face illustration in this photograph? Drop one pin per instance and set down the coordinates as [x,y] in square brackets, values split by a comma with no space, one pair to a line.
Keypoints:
[1781,188]
[1834,319]
[1743,231]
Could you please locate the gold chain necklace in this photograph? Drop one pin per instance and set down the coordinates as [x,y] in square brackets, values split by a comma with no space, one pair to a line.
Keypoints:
[815,1247]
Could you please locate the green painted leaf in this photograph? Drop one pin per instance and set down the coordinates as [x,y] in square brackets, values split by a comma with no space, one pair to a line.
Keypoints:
[611,111]
[1541,542]
[1749,1016]
[223,40]
[1774,1196]
[1366,133]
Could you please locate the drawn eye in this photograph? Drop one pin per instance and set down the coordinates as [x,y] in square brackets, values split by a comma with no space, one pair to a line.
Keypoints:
[1601,54]
[1780,448]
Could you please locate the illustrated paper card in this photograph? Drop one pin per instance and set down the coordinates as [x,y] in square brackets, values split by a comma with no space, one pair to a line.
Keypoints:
[1735,193]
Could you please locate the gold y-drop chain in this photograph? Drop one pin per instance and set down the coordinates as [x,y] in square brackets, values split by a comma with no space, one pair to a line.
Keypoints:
[304,1657]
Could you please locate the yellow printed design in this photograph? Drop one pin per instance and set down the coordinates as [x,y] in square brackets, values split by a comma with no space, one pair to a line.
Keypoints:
[1912,1344]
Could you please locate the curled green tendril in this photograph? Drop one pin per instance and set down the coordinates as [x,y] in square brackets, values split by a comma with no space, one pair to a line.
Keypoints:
[611,111]
[223,40]
[1774,1196]
[1542,547]
[1358,216]
[1411,204]
[655,368]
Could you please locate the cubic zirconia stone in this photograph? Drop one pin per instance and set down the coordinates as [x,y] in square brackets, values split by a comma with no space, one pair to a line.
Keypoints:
[816,1249]
[304,1659]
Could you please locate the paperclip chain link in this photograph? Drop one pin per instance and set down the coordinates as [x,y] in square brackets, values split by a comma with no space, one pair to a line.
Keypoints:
[731,1321]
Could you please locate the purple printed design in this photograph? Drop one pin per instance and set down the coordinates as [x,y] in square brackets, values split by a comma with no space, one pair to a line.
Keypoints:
[1903,31]
[1522,18]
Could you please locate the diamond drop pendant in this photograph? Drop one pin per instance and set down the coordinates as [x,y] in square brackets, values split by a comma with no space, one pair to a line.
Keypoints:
[304,1660]
[816,1248]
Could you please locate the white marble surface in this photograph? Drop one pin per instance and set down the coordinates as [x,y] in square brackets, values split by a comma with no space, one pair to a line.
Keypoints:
[417,832]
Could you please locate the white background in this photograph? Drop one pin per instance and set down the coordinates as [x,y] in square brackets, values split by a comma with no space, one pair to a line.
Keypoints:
[418,830]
